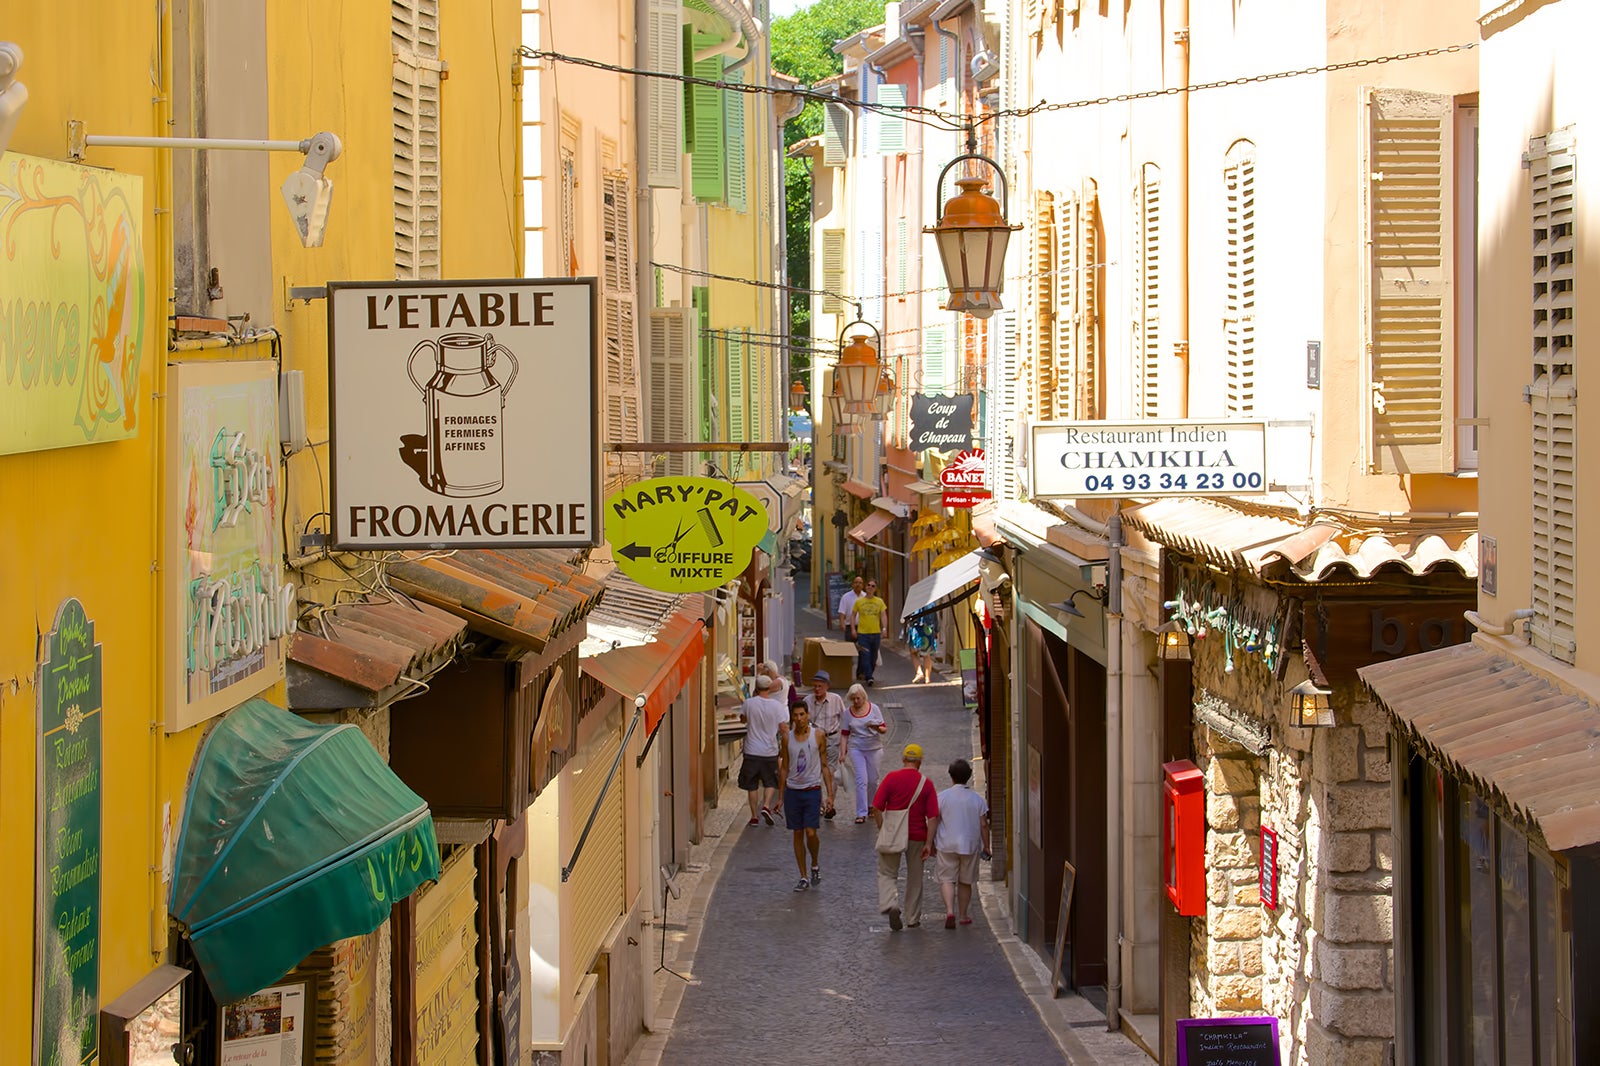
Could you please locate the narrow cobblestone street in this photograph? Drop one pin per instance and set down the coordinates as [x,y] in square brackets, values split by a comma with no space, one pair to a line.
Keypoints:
[818,976]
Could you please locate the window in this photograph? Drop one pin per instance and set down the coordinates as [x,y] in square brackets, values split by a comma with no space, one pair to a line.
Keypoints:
[1239,318]
[1147,321]
[414,40]
[1552,168]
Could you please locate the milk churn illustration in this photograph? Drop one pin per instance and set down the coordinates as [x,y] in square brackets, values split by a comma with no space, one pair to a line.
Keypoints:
[466,412]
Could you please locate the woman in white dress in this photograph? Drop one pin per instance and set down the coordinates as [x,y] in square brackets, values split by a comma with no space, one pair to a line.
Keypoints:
[861,738]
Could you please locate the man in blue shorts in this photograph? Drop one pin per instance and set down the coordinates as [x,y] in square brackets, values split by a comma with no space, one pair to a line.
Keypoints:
[804,759]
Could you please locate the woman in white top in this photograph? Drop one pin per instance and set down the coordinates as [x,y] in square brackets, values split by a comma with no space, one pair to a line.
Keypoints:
[861,738]
[780,689]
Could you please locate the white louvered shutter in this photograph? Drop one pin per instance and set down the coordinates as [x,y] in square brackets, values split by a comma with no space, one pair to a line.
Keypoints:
[833,245]
[664,97]
[892,125]
[623,402]
[1004,474]
[1147,318]
[414,91]
[835,134]
[672,416]
[733,110]
[1552,166]
[1411,236]
[1239,314]
[902,257]
[1076,323]
[935,352]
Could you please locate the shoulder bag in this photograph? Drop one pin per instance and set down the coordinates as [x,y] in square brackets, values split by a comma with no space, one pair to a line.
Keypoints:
[894,833]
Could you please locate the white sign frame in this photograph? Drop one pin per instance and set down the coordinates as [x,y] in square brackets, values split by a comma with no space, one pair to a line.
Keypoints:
[426,455]
[1187,457]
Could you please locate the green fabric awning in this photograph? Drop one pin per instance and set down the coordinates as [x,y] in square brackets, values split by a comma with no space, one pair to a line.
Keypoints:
[294,835]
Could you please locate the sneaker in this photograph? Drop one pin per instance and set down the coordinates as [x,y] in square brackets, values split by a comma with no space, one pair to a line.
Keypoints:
[816,875]
[801,885]
[894,918]
[949,921]
[766,816]
[755,821]
[870,682]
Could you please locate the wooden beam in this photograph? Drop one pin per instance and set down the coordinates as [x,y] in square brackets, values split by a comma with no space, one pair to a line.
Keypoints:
[706,446]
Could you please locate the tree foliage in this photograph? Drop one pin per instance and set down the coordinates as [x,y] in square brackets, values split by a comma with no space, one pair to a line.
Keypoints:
[802,47]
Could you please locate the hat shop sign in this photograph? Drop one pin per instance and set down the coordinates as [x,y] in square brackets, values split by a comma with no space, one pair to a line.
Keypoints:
[464,413]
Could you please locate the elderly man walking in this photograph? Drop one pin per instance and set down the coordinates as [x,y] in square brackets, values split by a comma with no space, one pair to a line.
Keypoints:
[766,719]
[826,710]
[905,789]
[963,835]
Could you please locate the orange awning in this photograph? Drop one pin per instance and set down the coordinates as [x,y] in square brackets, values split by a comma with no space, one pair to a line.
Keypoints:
[657,670]
[870,526]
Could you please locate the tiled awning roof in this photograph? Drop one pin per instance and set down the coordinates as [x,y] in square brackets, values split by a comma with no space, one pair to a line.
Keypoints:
[527,596]
[1279,545]
[365,654]
[1516,735]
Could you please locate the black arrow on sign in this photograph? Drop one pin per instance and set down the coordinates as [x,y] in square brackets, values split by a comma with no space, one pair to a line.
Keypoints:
[634,552]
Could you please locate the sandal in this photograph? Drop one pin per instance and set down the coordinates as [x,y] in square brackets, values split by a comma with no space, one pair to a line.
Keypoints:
[860,820]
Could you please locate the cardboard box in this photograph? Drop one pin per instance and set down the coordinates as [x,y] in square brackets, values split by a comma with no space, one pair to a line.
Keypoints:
[838,657]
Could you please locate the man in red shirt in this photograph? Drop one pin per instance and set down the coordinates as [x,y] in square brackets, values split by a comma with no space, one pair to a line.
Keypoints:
[906,789]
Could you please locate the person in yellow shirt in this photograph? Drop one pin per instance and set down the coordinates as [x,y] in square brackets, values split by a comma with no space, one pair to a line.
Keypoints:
[869,610]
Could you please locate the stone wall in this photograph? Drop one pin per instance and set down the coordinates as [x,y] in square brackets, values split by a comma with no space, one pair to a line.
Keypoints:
[1323,961]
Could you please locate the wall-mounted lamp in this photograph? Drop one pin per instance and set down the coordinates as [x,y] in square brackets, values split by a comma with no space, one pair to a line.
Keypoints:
[307,193]
[1309,707]
[13,94]
[1099,595]
[1173,642]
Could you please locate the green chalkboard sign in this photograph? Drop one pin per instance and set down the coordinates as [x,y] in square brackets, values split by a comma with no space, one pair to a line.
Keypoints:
[66,949]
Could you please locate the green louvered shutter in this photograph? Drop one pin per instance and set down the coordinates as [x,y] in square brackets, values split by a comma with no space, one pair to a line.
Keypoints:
[738,428]
[934,344]
[708,159]
[733,102]
[700,295]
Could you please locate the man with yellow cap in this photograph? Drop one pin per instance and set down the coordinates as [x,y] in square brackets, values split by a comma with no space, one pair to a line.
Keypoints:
[906,790]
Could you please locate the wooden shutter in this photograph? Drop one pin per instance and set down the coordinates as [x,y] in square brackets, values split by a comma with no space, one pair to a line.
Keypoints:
[1239,276]
[902,257]
[733,104]
[892,126]
[835,134]
[706,361]
[1076,323]
[1042,298]
[672,421]
[616,220]
[935,352]
[1553,395]
[832,271]
[947,72]
[568,252]
[414,91]
[707,162]
[737,394]
[663,100]
[1411,220]
[1007,423]
[1147,319]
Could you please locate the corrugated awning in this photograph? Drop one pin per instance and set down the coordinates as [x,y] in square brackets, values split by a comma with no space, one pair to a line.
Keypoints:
[527,596]
[941,588]
[294,835]
[657,670]
[1514,734]
[364,654]
[1277,545]
[876,522]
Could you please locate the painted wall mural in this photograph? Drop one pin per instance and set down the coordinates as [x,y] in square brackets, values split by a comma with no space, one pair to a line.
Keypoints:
[72,303]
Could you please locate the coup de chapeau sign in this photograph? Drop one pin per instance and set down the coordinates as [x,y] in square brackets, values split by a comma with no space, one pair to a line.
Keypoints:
[464,413]
[941,423]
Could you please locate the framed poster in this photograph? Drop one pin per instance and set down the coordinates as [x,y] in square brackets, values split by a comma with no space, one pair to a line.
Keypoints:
[271,1026]
[464,414]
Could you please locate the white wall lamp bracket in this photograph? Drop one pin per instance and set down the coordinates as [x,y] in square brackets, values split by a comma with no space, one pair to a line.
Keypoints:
[307,193]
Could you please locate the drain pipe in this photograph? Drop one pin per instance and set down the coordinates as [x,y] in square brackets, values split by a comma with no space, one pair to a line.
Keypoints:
[1114,775]
[1177,61]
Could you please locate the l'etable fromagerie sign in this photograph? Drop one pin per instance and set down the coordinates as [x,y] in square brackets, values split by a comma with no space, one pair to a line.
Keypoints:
[1073,459]
[464,413]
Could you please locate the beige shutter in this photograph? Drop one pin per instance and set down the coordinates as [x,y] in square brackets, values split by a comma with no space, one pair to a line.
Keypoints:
[835,134]
[596,884]
[832,271]
[414,89]
[1147,319]
[1239,314]
[1553,396]
[1077,319]
[672,417]
[1007,425]
[1411,221]
[623,418]
[1042,297]
[664,97]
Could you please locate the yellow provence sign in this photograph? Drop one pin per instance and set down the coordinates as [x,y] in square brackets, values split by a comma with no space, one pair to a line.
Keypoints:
[72,303]
[683,534]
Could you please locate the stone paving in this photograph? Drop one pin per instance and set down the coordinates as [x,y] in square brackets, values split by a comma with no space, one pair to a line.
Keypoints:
[817,976]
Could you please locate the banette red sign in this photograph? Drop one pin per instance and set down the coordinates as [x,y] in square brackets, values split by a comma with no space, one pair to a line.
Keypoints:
[963,480]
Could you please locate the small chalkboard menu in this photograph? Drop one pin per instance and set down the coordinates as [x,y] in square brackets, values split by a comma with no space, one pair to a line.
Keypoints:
[1250,1041]
[835,585]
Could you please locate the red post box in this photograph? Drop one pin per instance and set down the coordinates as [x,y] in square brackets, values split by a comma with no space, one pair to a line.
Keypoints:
[1184,836]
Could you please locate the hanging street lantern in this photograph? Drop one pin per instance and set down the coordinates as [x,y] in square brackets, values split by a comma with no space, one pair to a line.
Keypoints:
[857,371]
[797,396]
[883,402]
[971,233]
